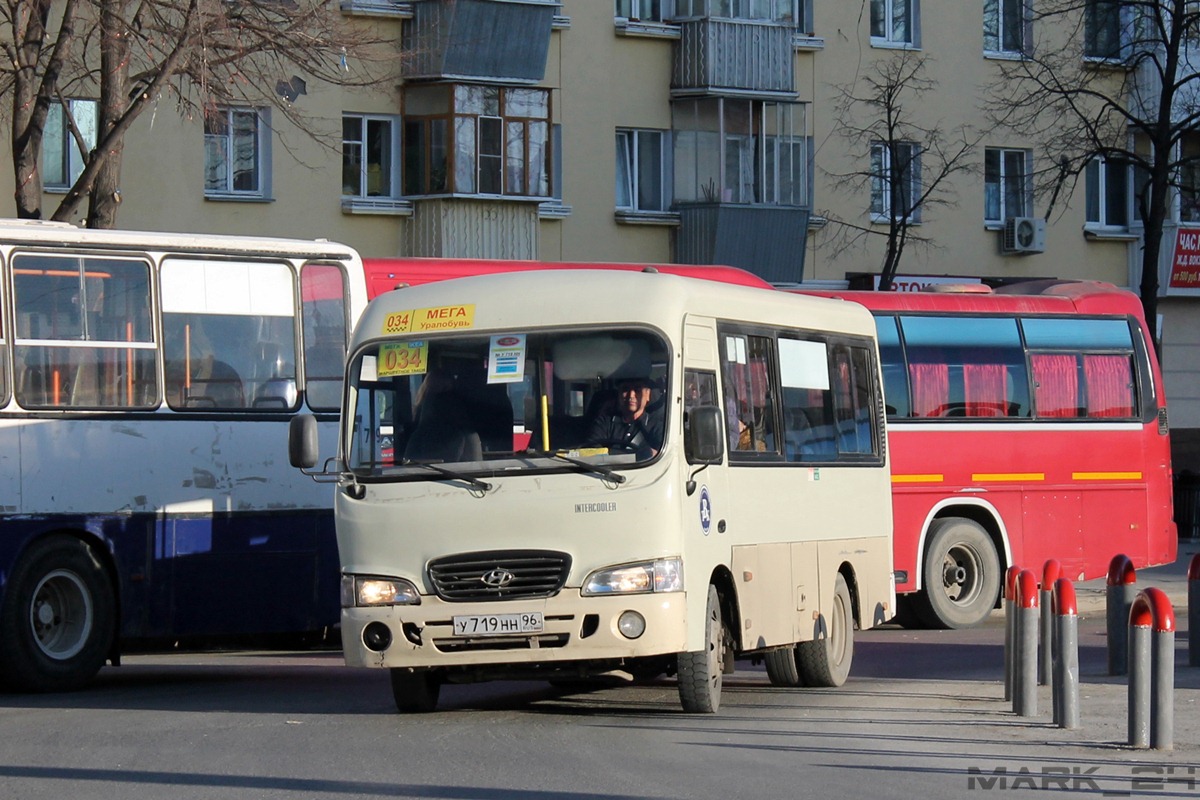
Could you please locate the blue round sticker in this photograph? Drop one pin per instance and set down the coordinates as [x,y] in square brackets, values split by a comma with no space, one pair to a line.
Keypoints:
[705,510]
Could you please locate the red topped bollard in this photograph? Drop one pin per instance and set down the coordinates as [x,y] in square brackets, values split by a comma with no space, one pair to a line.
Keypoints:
[1193,600]
[1065,685]
[1051,572]
[1026,639]
[1010,627]
[1119,595]
[1152,670]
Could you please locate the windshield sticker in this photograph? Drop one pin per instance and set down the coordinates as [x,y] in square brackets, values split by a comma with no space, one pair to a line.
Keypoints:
[506,359]
[420,320]
[406,358]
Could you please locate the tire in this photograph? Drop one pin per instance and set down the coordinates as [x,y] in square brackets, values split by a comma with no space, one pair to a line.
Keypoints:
[700,671]
[782,668]
[416,691]
[57,621]
[825,662]
[960,575]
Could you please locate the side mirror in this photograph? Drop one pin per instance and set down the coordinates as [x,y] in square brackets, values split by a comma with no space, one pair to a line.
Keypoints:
[704,440]
[303,445]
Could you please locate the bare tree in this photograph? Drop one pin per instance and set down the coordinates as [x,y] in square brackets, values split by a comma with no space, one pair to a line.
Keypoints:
[1111,80]
[199,55]
[912,159]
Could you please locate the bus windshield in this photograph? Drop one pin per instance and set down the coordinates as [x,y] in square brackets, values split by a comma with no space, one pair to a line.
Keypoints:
[507,401]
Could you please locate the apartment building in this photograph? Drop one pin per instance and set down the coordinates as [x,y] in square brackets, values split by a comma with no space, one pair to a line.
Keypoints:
[693,131]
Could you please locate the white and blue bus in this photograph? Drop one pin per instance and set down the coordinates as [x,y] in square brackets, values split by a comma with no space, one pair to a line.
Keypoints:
[146,380]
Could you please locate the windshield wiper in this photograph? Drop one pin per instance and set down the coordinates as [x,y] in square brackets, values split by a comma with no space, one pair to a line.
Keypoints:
[599,469]
[483,486]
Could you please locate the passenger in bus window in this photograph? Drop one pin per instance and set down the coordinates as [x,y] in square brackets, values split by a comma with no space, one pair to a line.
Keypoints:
[636,423]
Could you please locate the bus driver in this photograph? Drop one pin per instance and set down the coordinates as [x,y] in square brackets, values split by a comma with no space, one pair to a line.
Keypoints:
[635,426]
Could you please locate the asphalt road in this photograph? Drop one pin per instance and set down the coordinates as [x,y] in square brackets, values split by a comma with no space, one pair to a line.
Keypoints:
[922,716]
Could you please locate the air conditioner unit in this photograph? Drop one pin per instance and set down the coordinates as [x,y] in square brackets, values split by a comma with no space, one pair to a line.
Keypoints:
[1023,235]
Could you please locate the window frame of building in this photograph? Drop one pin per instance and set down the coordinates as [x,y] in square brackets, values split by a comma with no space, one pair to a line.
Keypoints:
[1000,186]
[1105,31]
[62,160]
[885,23]
[1007,27]
[643,10]
[884,189]
[444,151]
[642,160]
[371,159]
[766,136]
[1107,197]
[221,132]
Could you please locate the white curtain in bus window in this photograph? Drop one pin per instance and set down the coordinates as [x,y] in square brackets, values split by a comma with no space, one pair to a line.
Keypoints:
[84,337]
[323,311]
[229,334]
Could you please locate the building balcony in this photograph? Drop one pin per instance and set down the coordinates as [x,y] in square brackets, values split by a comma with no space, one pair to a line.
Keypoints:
[494,41]
[724,56]
[767,240]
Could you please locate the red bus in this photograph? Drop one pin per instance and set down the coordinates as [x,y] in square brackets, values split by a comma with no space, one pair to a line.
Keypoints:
[385,274]
[1025,423]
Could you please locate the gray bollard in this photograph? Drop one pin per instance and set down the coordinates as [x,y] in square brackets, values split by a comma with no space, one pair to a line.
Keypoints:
[1010,628]
[1152,671]
[1065,686]
[1051,572]
[1120,592]
[1025,662]
[1193,596]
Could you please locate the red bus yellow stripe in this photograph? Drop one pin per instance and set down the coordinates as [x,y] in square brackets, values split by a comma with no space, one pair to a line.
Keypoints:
[1106,476]
[918,478]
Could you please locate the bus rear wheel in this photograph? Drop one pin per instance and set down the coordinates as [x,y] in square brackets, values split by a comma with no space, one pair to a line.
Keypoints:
[701,672]
[825,662]
[961,575]
[416,691]
[58,618]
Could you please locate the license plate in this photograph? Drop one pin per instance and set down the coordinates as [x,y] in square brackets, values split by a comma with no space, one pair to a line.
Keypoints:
[497,624]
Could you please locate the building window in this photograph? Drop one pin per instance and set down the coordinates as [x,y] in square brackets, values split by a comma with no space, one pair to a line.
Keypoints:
[730,150]
[1006,26]
[895,181]
[1107,187]
[469,139]
[1102,29]
[1008,191]
[236,153]
[643,10]
[62,160]
[369,162]
[641,165]
[895,22]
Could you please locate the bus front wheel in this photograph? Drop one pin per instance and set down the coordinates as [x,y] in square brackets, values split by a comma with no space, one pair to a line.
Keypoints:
[57,621]
[415,691]
[961,575]
[701,671]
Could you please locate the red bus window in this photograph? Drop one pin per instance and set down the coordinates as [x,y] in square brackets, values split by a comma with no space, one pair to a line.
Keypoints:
[1055,385]
[1109,385]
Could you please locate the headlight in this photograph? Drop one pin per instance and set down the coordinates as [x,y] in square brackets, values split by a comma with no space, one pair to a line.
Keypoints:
[664,575]
[362,591]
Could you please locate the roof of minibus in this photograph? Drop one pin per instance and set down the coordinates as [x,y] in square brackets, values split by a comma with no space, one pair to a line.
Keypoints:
[1029,297]
[386,274]
[528,299]
[47,233]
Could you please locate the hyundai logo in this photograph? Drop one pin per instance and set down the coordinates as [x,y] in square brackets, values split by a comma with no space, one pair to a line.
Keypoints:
[497,578]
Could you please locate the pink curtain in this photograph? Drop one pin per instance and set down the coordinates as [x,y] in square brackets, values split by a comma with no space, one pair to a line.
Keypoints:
[1109,386]
[930,389]
[985,389]
[1055,385]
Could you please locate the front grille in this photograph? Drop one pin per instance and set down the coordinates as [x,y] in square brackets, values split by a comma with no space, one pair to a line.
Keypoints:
[540,641]
[499,575]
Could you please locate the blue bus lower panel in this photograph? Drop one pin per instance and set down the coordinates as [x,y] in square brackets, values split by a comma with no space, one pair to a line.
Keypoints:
[225,574]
